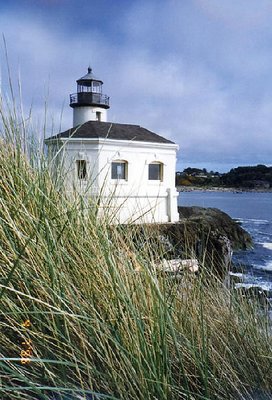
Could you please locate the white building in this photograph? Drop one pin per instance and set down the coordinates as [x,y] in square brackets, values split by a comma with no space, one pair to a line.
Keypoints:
[126,171]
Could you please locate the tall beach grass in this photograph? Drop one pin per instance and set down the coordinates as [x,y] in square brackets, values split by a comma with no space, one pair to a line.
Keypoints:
[96,315]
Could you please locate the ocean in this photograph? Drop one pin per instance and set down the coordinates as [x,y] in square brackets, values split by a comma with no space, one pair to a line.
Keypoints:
[254,212]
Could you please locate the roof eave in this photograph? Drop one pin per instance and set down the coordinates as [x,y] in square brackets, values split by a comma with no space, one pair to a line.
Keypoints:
[113,141]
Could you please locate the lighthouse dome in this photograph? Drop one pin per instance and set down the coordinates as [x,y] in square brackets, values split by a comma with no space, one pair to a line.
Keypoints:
[88,77]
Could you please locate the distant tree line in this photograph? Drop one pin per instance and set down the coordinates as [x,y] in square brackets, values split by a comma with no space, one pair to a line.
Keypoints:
[251,177]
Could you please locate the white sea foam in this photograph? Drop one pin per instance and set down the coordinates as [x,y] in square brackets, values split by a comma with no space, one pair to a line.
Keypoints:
[267,266]
[263,285]
[253,220]
[246,285]
[264,267]
[238,274]
[258,221]
[267,245]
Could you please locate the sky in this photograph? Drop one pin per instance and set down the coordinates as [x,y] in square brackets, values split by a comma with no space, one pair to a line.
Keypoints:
[198,72]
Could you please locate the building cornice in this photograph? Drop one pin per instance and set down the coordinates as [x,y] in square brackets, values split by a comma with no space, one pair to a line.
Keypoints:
[114,142]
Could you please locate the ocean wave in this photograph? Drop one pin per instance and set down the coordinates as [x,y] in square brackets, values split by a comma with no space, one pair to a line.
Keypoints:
[264,285]
[267,245]
[265,267]
[265,234]
[238,274]
[253,220]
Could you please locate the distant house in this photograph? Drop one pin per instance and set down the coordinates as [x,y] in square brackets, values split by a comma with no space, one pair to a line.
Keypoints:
[126,171]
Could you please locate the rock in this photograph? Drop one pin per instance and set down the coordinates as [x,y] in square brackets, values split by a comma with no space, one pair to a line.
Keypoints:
[260,395]
[218,235]
[178,265]
[216,220]
[238,268]
[206,234]
[255,292]
[235,277]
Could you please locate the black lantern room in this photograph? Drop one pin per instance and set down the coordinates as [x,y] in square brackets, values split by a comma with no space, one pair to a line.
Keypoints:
[89,92]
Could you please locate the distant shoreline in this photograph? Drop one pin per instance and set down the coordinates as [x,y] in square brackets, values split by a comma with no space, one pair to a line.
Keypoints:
[221,189]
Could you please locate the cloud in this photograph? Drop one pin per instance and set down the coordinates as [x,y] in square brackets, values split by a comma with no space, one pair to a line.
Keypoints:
[195,71]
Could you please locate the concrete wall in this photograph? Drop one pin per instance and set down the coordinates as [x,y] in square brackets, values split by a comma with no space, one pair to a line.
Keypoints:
[136,199]
[84,114]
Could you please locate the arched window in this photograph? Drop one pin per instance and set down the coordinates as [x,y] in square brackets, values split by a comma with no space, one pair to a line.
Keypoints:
[119,169]
[155,171]
[81,169]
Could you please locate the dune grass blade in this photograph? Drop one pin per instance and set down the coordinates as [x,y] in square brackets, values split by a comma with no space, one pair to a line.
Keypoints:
[102,319]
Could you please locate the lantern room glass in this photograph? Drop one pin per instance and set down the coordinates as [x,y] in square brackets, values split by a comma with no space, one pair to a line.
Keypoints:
[90,87]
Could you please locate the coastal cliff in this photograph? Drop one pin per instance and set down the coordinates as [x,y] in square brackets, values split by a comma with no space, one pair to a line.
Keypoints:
[215,235]
[216,222]
[207,234]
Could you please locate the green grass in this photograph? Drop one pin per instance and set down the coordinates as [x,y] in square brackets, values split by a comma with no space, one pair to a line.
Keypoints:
[101,318]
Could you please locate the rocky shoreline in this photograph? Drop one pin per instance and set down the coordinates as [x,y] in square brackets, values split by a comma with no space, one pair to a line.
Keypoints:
[206,234]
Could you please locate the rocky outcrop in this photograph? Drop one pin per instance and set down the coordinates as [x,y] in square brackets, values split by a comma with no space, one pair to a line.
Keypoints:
[206,234]
[218,223]
[211,235]
[264,297]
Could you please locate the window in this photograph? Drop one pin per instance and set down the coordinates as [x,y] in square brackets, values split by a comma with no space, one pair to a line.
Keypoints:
[155,171]
[96,87]
[81,169]
[98,116]
[119,170]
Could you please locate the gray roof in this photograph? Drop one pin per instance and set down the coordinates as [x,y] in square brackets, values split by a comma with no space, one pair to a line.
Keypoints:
[108,130]
[89,77]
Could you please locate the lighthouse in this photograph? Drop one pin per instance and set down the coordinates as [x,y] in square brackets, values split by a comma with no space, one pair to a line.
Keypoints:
[89,103]
[124,171]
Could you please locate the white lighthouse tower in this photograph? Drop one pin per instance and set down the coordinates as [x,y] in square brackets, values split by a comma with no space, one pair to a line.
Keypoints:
[126,171]
[89,103]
